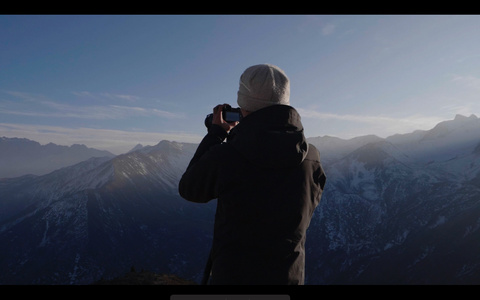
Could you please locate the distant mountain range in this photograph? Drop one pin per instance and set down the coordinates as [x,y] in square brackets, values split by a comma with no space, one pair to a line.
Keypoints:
[100,217]
[20,156]
[399,210]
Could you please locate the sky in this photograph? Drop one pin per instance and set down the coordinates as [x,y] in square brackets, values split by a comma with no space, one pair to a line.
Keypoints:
[111,82]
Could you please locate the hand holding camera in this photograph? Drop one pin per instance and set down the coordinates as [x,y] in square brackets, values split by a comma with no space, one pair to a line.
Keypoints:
[225,116]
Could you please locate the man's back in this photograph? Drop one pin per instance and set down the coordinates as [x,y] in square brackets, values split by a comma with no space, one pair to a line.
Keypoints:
[268,181]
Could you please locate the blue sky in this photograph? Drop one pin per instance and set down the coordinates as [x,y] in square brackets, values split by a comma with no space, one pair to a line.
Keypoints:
[112,81]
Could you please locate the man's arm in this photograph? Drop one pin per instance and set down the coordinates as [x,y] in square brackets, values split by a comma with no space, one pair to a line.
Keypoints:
[216,135]
[198,183]
[199,180]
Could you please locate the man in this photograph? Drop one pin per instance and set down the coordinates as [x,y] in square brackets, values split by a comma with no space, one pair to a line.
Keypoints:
[267,181]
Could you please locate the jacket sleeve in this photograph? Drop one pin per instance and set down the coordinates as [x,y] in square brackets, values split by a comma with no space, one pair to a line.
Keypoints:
[199,182]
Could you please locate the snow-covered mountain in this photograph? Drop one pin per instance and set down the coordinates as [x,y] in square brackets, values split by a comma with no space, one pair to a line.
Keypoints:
[98,218]
[20,156]
[402,210]
[399,210]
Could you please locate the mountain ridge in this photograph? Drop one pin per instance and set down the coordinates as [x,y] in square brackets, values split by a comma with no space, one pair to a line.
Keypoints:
[386,217]
[92,216]
[386,211]
[21,156]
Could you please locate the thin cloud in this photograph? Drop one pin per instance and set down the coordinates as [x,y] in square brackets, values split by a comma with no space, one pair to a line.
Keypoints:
[317,22]
[129,98]
[25,96]
[378,125]
[465,109]
[58,110]
[328,29]
[53,109]
[84,94]
[469,81]
[366,118]
[140,111]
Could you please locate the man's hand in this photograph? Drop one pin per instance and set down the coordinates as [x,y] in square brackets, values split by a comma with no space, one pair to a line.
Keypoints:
[218,118]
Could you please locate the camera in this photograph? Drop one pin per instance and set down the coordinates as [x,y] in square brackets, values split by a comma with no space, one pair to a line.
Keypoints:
[229,115]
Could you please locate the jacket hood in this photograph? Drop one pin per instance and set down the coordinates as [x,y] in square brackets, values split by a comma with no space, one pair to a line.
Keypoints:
[271,137]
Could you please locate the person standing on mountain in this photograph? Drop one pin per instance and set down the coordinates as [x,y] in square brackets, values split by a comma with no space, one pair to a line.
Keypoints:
[267,181]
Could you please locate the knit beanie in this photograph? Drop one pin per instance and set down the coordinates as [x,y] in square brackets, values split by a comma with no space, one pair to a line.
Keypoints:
[261,86]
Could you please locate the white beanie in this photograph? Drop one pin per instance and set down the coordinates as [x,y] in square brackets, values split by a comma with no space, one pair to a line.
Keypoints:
[262,86]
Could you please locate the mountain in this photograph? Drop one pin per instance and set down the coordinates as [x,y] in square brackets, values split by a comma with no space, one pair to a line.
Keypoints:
[137,147]
[19,156]
[403,210]
[398,210]
[99,217]
[334,148]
